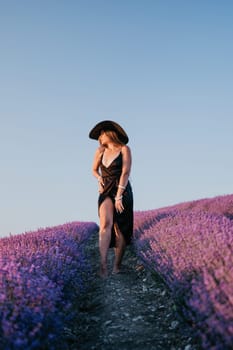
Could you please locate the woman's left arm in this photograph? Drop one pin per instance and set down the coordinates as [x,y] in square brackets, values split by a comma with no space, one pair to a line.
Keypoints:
[126,167]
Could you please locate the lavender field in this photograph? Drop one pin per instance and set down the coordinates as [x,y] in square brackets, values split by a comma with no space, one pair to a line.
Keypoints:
[40,276]
[190,245]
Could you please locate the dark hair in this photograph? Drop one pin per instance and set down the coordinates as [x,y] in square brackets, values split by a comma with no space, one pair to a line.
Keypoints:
[113,135]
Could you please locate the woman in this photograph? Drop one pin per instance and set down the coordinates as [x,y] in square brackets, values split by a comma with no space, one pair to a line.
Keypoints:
[111,166]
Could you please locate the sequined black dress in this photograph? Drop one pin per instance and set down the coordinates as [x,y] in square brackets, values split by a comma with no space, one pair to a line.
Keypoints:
[111,176]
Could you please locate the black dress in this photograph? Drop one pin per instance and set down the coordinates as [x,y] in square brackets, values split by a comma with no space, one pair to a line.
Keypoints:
[111,176]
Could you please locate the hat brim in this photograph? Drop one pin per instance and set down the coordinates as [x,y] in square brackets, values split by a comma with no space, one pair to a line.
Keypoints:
[109,125]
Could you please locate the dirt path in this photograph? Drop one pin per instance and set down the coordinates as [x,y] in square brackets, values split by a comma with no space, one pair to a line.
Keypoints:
[132,310]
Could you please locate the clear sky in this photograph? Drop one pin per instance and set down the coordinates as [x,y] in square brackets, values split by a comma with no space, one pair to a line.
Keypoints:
[162,69]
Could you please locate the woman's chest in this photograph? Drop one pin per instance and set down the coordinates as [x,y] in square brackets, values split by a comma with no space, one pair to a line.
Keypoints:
[110,158]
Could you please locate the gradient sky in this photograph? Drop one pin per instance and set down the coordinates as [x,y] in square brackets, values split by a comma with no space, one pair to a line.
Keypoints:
[162,69]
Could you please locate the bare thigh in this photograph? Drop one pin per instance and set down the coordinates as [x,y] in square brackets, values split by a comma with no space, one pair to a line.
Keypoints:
[117,230]
[119,235]
[106,213]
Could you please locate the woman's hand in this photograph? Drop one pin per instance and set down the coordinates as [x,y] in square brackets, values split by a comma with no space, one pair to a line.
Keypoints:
[100,184]
[100,188]
[119,205]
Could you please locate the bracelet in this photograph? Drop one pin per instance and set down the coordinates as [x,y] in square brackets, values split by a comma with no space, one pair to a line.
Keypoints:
[118,198]
[122,187]
[99,178]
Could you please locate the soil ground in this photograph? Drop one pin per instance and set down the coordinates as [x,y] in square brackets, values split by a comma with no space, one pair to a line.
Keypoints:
[132,310]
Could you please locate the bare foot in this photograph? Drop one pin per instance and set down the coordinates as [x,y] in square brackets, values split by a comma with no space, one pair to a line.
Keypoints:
[115,270]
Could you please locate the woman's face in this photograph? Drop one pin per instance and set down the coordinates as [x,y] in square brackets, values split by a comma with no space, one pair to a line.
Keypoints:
[103,138]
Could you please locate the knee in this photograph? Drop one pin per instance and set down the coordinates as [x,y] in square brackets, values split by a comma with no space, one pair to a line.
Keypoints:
[106,225]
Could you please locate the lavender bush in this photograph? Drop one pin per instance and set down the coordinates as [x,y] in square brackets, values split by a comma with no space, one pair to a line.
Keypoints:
[40,275]
[190,245]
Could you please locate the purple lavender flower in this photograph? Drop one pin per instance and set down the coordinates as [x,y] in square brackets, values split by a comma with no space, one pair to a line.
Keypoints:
[190,245]
[41,272]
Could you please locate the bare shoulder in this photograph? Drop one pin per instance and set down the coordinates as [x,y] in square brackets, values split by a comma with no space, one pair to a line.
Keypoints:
[125,150]
[126,153]
[99,152]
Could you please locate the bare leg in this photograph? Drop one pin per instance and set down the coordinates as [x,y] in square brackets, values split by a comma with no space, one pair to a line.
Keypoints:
[106,222]
[119,250]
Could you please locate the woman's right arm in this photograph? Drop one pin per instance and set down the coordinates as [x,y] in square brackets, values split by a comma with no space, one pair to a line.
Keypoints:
[96,164]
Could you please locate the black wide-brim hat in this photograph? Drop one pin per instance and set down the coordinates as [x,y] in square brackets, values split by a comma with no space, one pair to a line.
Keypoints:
[109,125]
